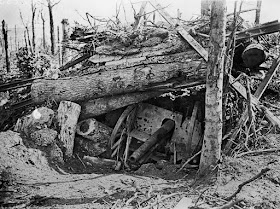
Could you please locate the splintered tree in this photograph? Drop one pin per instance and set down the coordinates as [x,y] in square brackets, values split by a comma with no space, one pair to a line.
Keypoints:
[258,12]
[211,150]
[5,36]
[44,34]
[33,10]
[27,32]
[50,8]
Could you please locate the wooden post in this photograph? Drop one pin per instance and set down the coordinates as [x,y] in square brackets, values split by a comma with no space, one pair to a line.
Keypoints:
[65,38]
[211,150]
[5,36]
[258,12]
[67,117]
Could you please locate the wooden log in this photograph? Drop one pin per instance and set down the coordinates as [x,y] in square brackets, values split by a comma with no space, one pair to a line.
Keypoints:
[67,117]
[266,28]
[107,104]
[115,82]
[102,162]
[190,130]
[97,133]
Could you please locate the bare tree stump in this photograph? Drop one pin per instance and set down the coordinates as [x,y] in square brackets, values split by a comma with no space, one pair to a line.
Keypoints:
[67,117]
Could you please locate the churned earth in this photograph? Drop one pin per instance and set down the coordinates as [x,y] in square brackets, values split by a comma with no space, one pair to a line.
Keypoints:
[28,181]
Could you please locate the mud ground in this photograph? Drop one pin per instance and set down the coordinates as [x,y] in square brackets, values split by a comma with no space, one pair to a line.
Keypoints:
[31,183]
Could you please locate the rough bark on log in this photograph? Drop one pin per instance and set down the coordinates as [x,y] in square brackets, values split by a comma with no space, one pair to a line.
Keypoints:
[112,82]
[103,105]
[67,117]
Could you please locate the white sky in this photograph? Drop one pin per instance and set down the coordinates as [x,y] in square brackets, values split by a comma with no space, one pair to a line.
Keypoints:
[9,9]
[74,9]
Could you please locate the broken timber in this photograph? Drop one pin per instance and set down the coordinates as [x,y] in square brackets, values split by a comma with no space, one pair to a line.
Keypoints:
[182,32]
[103,105]
[139,16]
[275,121]
[267,28]
[182,70]
[67,118]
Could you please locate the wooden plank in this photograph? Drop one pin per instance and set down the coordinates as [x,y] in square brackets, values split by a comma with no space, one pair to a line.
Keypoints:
[74,62]
[181,31]
[275,121]
[262,87]
[241,89]
[190,130]
[267,28]
[196,137]
[269,75]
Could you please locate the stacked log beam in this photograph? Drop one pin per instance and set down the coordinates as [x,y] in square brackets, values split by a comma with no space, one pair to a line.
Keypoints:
[158,61]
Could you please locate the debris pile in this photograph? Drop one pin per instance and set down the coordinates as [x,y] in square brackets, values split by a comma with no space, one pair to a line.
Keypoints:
[106,95]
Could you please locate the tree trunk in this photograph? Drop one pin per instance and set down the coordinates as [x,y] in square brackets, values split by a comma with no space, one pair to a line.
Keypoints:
[25,40]
[6,46]
[59,47]
[65,38]
[114,82]
[205,7]
[28,38]
[50,7]
[67,117]
[16,43]
[258,12]
[211,150]
[33,9]
[107,104]
[44,34]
